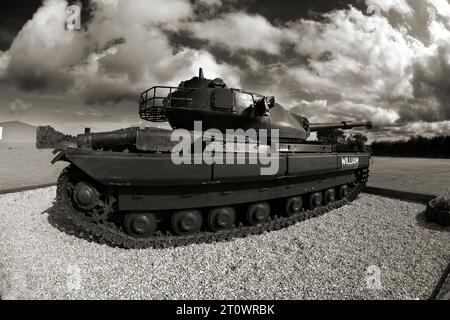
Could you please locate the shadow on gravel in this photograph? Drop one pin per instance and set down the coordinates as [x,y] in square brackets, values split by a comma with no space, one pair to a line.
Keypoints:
[423,221]
[60,222]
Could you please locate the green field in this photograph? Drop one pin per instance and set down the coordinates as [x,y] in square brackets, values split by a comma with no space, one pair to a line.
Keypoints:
[419,175]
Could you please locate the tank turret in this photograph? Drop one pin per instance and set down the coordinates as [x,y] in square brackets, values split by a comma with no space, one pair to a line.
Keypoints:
[220,107]
[217,106]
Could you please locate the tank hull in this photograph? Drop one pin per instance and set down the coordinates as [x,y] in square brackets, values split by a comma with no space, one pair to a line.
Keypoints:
[147,169]
[224,194]
[148,181]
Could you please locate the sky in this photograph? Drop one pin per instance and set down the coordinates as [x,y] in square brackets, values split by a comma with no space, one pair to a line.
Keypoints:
[387,61]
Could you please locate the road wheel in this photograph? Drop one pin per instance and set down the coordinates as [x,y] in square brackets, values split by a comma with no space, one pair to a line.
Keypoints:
[221,218]
[315,200]
[293,206]
[140,225]
[258,213]
[86,196]
[343,191]
[186,222]
[329,196]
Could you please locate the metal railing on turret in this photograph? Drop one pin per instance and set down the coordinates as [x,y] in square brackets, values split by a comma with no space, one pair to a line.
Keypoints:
[154,103]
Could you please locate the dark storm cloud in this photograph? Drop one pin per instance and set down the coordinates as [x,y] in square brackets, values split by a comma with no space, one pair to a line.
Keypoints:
[280,12]
[431,82]
[14,14]
[29,79]
[109,93]
[6,37]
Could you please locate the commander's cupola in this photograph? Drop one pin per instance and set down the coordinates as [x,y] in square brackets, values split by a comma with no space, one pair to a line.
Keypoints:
[202,82]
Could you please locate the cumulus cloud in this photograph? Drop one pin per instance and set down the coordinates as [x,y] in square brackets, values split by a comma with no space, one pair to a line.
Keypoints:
[378,6]
[391,67]
[320,110]
[19,106]
[122,51]
[43,50]
[353,61]
[366,54]
[431,86]
[239,30]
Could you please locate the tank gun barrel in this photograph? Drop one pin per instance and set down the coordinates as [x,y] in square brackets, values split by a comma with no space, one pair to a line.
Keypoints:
[122,137]
[345,125]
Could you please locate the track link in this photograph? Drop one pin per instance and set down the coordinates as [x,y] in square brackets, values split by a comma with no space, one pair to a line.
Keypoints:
[116,236]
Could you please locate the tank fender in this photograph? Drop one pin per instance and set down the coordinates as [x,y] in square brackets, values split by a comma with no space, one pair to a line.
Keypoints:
[60,155]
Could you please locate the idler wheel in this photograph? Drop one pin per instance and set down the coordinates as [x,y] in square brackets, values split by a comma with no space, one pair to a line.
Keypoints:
[221,218]
[293,206]
[343,191]
[330,196]
[186,222]
[85,196]
[141,225]
[258,213]
[315,200]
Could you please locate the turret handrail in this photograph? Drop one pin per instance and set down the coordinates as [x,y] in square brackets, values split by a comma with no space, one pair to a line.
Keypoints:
[152,106]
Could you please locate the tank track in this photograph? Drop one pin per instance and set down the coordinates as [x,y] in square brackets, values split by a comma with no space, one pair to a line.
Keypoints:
[115,235]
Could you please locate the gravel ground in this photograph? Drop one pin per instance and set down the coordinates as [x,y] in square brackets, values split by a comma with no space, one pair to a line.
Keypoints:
[336,256]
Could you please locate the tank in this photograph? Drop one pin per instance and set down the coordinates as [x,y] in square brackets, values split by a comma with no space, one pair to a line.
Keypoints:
[235,163]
